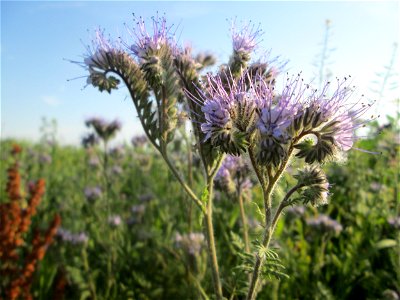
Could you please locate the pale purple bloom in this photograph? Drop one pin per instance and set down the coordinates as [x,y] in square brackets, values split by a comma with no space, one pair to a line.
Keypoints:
[93,161]
[118,152]
[93,193]
[138,209]
[104,129]
[278,111]
[226,107]
[375,186]
[296,211]
[337,110]
[148,43]
[114,220]
[146,197]
[394,222]
[245,39]
[116,170]
[234,172]
[191,243]
[90,140]
[139,140]
[73,238]
[324,223]
[99,53]
[44,158]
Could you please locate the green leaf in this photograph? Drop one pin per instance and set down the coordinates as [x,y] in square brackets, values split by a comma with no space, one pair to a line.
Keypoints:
[386,243]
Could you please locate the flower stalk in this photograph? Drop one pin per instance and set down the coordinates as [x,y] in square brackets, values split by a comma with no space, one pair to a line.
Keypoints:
[238,110]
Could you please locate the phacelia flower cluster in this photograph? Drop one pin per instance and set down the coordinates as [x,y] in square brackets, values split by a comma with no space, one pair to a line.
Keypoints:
[325,224]
[105,130]
[90,140]
[93,193]
[233,175]
[314,186]
[115,220]
[73,238]
[251,111]
[139,141]
[229,112]
[245,38]
[149,44]
[191,243]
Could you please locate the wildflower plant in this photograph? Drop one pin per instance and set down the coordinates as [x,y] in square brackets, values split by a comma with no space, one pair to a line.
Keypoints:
[239,110]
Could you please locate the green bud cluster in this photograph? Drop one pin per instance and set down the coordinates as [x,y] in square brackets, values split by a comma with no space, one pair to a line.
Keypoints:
[314,185]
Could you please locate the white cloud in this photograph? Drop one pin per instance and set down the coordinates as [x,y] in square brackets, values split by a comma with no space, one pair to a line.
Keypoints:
[51,100]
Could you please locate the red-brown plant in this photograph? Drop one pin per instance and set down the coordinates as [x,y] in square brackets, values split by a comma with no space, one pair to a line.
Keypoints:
[16,214]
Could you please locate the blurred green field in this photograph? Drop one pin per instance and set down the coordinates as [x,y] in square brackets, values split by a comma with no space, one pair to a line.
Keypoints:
[126,226]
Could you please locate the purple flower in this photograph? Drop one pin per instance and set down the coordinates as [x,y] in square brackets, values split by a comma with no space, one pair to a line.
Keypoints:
[296,211]
[191,243]
[73,238]
[93,193]
[139,141]
[146,197]
[104,129]
[278,111]
[229,111]
[93,161]
[394,222]
[324,223]
[149,43]
[235,109]
[234,172]
[245,39]
[98,54]
[118,152]
[116,170]
[114,220]
[44,158]
[138,209]
[90,140]
[338,115]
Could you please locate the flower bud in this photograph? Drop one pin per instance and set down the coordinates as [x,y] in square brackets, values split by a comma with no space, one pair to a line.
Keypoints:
[316,186]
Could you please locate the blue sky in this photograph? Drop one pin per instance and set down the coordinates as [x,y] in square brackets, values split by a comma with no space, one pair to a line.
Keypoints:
[37,37]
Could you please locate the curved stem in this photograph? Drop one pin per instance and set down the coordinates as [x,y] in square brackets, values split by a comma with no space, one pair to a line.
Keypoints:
[187,189]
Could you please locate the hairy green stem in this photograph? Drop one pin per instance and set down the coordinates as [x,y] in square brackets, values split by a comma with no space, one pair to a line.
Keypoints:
[210,240]
[244,222]
[270,223]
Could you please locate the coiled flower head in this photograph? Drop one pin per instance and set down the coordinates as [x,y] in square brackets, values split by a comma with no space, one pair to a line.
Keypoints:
[229,111]
[333,119]
[99,59]
[245,38]
[147,44]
